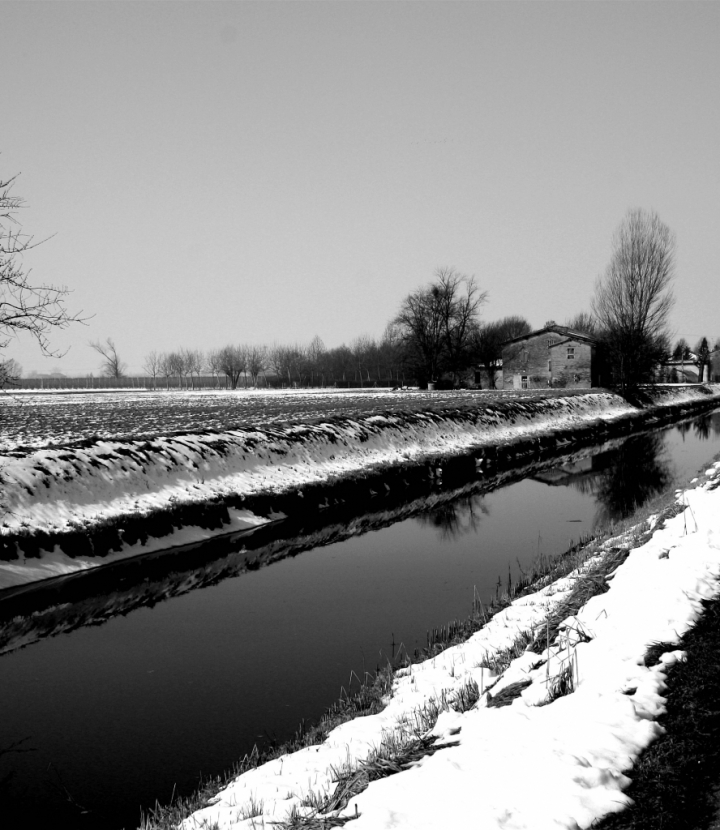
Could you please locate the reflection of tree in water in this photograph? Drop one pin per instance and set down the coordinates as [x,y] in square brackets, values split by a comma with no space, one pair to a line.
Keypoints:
[456,518]
[707,424]
[684,427]
[636,473]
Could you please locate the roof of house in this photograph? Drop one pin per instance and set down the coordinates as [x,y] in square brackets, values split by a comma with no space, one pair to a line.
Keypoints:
[555,329]
[690,360]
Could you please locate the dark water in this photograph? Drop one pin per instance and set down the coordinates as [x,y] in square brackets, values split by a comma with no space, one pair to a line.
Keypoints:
[115,716]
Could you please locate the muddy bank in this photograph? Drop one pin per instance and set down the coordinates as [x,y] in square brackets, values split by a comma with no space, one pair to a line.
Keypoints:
[75,508]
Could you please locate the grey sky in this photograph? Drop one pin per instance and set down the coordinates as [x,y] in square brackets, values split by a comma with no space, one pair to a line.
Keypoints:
[252,172]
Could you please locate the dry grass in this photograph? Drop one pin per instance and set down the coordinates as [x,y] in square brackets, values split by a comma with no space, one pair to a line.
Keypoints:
[368,700]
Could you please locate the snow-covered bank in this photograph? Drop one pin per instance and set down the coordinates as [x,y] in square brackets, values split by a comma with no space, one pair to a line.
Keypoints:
[526,765]
[70,508]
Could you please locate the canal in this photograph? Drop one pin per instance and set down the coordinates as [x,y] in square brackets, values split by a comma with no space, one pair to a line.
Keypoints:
[101,721]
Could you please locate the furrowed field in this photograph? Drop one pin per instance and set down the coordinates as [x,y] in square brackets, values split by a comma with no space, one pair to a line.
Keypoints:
[50,419]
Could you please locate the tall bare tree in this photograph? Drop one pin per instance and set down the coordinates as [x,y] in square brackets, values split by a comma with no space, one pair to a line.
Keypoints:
[633,299]
[151,365]
[165,368]
[233,361]
[27,306]
[362,352]
[176,366]
[315,355]
[214,364]
[193,363]
[461,299]
[436,322]
[394,353]
[256,362]
[583,322]
[111,366]
[285,361]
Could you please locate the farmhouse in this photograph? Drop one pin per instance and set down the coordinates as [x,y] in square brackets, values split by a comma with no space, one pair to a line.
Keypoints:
[554,356]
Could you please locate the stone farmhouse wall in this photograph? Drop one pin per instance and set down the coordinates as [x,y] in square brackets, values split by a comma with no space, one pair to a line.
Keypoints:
[714,370]
[549,359]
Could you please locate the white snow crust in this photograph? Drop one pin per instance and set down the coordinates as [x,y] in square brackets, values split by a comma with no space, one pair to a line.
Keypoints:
[527,765]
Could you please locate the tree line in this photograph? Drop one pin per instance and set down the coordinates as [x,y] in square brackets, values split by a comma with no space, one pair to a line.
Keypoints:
[435,336]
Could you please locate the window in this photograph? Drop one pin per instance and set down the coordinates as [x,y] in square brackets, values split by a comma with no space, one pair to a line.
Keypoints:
[549,365]
[524,382]
[571,352]
[550,343]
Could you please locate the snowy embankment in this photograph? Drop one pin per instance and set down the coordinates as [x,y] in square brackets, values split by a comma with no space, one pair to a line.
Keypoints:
[559,755]
[74,507]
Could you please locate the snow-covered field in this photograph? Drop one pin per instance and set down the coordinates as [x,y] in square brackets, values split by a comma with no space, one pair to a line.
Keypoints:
[536,763]
[34,419]
[62,495]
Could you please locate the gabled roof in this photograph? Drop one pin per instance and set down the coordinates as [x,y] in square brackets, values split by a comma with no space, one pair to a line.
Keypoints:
[553,328]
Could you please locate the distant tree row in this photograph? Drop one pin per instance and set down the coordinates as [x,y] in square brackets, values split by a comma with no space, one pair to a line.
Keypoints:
[437,334]
[364,362]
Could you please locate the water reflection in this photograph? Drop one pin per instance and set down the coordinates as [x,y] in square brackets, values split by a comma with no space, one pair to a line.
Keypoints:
[707,424]
[619,480]
[633,476]
[456,519]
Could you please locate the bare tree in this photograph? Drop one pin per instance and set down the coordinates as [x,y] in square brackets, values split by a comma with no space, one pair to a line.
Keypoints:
[393,352]
[176,366]
[256,361]
[340,363]
[10,372]
[633,299]
[361,348]
[214,364]
[315,355]
[459,315]
[25,305]
[193,362]
[165,367]
[112,366]
[488,339]
[233,361]
[151,365]
[437,322]
[285,361]
[583,322]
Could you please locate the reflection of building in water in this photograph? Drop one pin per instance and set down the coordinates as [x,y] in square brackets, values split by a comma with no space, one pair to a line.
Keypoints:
[579,474]
[563,474]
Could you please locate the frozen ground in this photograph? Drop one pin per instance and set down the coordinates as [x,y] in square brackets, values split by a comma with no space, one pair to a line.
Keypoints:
[81,487]
[33,419]
[538,763]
